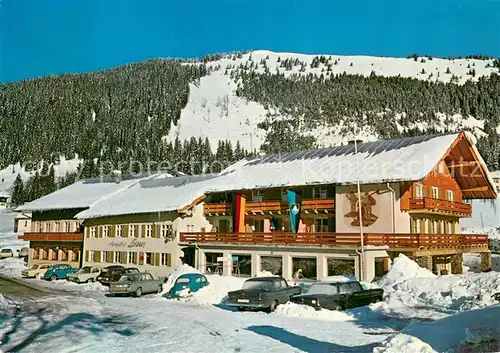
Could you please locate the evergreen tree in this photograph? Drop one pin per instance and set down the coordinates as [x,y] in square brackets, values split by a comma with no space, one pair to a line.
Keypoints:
[18,196]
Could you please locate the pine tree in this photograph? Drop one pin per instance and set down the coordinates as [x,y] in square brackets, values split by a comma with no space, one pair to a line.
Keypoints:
[18,191]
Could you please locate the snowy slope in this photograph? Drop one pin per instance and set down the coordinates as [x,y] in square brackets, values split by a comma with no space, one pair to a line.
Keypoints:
[214,111]
[9,174]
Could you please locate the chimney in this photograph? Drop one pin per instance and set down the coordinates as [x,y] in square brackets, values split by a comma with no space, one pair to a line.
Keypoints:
[351,142]
[116,175]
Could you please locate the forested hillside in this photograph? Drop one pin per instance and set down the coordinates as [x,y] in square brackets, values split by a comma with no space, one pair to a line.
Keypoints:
[227,106]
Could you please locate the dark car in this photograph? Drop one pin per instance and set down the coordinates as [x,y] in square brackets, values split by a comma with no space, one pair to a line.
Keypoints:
[262,293]
[106,275]
[338,295]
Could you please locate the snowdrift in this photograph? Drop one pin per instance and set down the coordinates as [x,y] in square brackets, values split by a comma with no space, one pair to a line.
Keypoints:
[12,267]
[304,311]
[414,292]
[470,331]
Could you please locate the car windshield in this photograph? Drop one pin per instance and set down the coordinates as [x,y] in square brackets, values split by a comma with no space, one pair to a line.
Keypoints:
[6,250]
[263,285]
[182,280]
[35,267]
[85,269]
[323,288]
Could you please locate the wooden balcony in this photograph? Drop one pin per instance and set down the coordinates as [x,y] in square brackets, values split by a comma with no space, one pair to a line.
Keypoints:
[393,241]
[54,236]
[217,208]
[427,204]
[271,206]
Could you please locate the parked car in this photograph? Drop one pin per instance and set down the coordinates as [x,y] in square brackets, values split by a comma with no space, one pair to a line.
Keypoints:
[333,295]
[186,284]
[136,284]
[114,274]
[59,271]
[86,274]
[262,293]
[24,252]
[36,271]
[105,276]
[6,253]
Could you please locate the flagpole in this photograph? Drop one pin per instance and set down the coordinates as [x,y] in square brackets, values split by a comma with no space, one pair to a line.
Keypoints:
[360,213]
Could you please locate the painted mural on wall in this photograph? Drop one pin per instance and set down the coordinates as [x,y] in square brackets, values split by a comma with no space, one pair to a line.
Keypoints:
[367,202]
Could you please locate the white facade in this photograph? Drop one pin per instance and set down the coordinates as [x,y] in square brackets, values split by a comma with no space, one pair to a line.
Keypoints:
[138,241]
[22,223]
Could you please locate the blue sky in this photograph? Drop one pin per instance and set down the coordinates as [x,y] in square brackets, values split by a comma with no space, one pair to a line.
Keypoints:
[42,37]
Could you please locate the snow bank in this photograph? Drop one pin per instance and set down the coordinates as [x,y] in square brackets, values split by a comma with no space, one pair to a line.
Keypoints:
[75,287]
[178,271]
[4,304]
[403,269]
[216,291]
[470,331]
[413,292]
[404,343]
[12,267]
[304,311]
[265,274]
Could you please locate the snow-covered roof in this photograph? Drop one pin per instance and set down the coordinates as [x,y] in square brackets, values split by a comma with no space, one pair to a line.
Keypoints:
[405,159]
[82,194]
[159,193]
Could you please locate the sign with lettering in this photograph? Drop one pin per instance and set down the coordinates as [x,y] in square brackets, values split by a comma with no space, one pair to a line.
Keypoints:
[134,243]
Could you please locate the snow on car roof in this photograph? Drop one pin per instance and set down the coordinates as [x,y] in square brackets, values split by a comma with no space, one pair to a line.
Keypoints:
[338,279]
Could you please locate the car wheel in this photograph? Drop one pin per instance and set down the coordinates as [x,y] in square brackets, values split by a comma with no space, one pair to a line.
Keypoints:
[138,292]
[338,308]
[241,308]
[273,306]
[159,289]
[37,276]
[53,277]
[90,280]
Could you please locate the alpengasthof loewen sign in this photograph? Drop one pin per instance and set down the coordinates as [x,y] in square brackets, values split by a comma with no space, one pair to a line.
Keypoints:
[134,243]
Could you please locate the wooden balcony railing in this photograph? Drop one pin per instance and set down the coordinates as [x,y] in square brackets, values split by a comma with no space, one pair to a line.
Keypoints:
[54,236]
[217,208]
[340,239]
[271,206]
[428,203]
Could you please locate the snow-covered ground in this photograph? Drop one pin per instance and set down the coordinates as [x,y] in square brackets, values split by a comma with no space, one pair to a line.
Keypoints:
[86,318]
[8,239]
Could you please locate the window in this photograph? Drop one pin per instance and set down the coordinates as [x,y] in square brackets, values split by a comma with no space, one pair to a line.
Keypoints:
[105,231]
[257,195]
[419,191]
[118,231]
[131,231]
[25,223]
[149,258]
[132,258]
[284,195]
[190,228]
[435,192]
[165,259]
[149,230]
[258,225]
[321,225]
[122,257]
[92,232]
[166,230]
[116,257]
[320,192]
[36,253]
[450,227]
[91,255]
[47,227]
[104,256]
[57,227]
[450,195]
[65,227]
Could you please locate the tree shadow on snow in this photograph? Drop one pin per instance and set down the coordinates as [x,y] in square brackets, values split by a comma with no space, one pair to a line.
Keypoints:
[86,322]
[307,344]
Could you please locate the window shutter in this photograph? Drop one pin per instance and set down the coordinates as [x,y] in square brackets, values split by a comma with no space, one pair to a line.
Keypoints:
[141,258]
[110,257]
[86,255]
[125,230]
[98,254]
[157,259]
[157,231]
[169,260]
[123,257]
[143,233]
[99,231]
[112,231]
